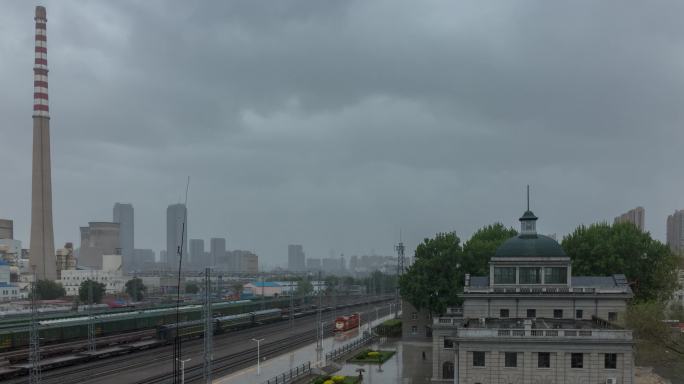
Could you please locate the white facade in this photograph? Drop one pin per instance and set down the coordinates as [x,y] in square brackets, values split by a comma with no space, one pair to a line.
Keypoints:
[8,291]
[114,281]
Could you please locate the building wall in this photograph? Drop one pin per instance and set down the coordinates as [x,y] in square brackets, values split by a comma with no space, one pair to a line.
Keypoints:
[544,305]
[634,216]
[98,239]
[416,325]
[675,231]
[197,259]
[71,280]
[295,258]
[6,229]
[217,251]
[123,214]
[527,370]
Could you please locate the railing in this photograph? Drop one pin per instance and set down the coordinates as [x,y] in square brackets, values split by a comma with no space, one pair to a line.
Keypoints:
[544,290]
[547,333]
[290,375]
[343,350]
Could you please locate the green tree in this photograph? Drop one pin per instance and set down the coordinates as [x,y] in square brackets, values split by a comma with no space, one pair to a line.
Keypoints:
[304,287]
[238,287]
[603,249]
[98,291]
[135,289]
[49,290]
[481,247]
[191,287]
[434,281]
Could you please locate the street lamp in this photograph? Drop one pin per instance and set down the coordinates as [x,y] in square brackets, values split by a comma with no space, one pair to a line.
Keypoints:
[258,341]
[183,369]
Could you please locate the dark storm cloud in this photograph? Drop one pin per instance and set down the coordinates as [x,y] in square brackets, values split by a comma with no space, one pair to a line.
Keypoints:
[335,124]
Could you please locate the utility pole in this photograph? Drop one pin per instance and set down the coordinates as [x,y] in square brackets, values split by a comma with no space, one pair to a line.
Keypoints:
[319,324]
[34,354]
[291,318]
[400,271]
[208,327]
[258,341]
[91,321]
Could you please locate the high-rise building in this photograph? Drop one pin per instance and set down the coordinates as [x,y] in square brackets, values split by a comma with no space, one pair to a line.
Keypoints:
[6,229]
[634,216]
[313,264]
[42,249]
[144,259]
[123,214]
[197,260]
[176,234]
[217,250]
[97,240]
[296,261]
[675,232]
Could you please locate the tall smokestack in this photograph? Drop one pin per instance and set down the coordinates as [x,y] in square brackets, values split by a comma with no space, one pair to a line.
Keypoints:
[42,251]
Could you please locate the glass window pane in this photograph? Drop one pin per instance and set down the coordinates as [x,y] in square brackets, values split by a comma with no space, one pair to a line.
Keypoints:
[555,275]
[530,275]
[504,275]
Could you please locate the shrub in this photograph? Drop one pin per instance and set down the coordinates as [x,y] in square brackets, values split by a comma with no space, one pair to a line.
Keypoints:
[328,382]
[373,354]
[338,379]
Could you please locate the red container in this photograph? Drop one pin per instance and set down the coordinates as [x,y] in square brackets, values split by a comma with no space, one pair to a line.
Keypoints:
[345,323]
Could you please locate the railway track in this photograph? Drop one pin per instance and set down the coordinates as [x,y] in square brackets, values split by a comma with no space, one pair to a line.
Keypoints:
[96,370]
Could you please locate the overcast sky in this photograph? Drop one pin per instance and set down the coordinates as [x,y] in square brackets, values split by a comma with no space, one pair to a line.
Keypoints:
[336,124]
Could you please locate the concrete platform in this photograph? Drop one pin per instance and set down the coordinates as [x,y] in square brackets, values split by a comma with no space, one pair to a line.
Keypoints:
[54,361]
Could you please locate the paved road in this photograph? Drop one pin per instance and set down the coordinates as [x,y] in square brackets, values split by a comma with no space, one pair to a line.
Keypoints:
[139,366]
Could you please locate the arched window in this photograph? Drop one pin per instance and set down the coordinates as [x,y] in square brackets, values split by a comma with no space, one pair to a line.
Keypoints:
[448,370]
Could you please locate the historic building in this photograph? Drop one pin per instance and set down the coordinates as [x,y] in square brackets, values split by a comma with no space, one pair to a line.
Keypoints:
[531,321]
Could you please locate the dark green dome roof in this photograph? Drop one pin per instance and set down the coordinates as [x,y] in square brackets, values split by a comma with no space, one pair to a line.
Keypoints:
[530,246]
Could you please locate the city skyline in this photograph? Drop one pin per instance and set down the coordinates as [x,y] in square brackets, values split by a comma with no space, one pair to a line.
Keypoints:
[417,151]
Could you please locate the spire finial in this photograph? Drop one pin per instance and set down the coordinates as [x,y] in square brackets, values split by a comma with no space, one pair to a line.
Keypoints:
[528,197]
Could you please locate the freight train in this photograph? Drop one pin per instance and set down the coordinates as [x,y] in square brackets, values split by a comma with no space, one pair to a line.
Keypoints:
[192,329]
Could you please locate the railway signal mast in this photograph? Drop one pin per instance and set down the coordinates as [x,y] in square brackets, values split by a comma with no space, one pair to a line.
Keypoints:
[319,324]
[91,324]
[208,326]
[400,271]
[34,353]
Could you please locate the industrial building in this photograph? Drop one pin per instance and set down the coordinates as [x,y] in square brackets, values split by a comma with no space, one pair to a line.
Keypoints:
[42,243]
[531,321]
[109,274]
[98,239]
[6,229]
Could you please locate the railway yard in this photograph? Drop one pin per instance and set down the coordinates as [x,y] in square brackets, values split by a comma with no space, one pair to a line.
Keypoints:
[145,355]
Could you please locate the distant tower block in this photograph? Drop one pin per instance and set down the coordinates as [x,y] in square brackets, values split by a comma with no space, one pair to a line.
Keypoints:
[42,249]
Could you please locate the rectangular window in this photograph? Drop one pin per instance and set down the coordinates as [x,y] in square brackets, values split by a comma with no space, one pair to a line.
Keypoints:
[579,314]
[504,275]
[612,316]
[555,275]
[610,361]
[448,344]
[414,330]
[503,313]
[543,360]
[511,360]
[530,275]
[577,360]
[414,316]
[557,313]
[478,359]
[531,313]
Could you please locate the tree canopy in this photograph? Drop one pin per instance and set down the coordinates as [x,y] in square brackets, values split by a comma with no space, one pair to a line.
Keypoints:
[135,289]
[49,290]
[98,291]
[436,278]
[191,287]
[304,287]
[603,249]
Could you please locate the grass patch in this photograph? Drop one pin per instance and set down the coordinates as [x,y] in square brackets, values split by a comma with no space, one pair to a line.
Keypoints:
[335,379]
[371,356]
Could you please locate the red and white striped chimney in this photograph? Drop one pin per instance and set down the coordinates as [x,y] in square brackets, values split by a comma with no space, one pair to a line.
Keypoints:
[40,68]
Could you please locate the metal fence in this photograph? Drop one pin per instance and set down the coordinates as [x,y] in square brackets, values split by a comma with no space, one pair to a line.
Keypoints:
[343,350]
[290,375]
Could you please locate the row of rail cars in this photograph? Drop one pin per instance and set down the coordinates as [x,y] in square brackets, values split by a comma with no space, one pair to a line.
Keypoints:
[76,327]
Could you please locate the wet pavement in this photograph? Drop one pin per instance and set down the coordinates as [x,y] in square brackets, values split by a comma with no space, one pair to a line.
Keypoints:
[291,360]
